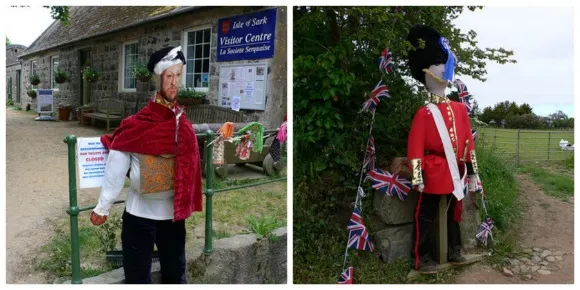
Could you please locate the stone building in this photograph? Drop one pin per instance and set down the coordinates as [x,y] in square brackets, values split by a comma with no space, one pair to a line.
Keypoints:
[14,87]
[112,40]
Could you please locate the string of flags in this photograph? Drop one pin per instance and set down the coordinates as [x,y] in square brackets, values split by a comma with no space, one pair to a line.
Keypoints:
[391,184]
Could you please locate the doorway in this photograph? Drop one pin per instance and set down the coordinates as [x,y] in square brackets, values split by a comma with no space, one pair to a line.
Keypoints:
[86,91]
[18,86]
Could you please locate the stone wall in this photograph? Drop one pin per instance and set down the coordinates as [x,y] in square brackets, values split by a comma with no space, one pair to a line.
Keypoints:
[242,259]
[393,225]
[106,52]
[12,66]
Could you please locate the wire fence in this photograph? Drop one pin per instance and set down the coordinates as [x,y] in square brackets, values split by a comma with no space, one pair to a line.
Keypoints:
[525,146]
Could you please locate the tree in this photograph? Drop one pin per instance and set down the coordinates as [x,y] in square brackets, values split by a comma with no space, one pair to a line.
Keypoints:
[7,41]
[525,109]
[60,13]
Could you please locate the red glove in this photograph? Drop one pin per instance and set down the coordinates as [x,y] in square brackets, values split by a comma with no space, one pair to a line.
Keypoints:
[97,220]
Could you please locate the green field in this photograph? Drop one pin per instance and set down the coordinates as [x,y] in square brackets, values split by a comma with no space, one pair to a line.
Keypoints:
[534,145]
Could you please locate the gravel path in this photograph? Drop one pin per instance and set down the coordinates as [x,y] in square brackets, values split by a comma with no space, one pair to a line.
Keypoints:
[546,240]
[36,188]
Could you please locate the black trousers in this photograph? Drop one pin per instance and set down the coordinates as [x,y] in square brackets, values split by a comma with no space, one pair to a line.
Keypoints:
[138,237]
[424,234]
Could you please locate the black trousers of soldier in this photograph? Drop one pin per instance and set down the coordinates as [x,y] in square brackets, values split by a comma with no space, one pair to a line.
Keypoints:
[138,237]
[424,234]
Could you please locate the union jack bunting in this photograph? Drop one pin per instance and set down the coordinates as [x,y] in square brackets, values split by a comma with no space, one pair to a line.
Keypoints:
[463,93]
[386,61]
[358,235]
[378,93]
[370,155]
[484,230]
[346,276]
[473,134]
[391,184]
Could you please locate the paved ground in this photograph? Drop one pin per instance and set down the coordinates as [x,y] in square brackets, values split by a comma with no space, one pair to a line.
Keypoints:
[37,188]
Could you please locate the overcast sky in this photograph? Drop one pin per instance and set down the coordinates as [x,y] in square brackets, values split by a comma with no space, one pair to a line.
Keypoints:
[542,39]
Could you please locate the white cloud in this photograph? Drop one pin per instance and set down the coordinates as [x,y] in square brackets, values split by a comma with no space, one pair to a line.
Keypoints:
[542,39]
[32,22]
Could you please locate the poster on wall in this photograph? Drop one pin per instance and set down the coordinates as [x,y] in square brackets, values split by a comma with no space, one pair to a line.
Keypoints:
[248,36]
[44,102]
[247,82]
[92,158]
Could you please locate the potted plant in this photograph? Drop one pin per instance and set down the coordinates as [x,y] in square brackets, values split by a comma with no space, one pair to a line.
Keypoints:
[86,108]
[141,72]
[34,79]
[60,76]
[189,96]
[31,93]
[90,74]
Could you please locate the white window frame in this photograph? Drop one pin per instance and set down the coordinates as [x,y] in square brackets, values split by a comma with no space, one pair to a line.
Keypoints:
[184,49]
[32,71]
[52,82]
[122,67]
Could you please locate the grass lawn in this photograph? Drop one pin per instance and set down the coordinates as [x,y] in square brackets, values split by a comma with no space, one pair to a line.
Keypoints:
[533,144]
[553,179]
[234,212]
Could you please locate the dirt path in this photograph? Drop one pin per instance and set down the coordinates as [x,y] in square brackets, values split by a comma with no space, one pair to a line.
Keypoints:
[36,188]
[546,239]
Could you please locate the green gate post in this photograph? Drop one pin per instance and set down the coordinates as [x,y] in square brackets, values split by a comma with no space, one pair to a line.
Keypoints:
[208,249]
[73,211]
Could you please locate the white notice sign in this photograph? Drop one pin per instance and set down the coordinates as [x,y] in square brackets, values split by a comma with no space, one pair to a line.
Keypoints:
[92,157]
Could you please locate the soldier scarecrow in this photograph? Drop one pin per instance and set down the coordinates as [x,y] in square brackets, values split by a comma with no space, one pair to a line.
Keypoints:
[159,149]
[441,150]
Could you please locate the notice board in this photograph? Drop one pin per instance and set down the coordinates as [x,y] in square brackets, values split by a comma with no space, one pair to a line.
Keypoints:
[92,158]
[248,81]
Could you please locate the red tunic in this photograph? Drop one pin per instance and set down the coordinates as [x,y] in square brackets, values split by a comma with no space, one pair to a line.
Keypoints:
[424,143]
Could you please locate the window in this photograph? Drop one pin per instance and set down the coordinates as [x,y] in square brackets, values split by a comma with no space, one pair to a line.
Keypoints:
[130,56]
[33,68]
[54,65]
[197,55]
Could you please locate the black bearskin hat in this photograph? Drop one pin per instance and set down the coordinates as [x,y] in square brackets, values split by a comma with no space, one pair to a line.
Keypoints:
[423,58]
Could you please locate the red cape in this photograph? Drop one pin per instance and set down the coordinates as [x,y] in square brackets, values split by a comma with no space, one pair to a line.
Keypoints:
[152,131]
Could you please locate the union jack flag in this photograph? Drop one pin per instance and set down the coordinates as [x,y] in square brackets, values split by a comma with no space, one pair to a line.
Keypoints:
[358,235]
[370,155]
[473,134]
[391,184]
[463,93]
[484,230]
[378,93]
[386,61]
[346,276]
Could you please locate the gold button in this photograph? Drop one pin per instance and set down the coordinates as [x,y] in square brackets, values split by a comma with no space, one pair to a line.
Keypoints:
[451,130]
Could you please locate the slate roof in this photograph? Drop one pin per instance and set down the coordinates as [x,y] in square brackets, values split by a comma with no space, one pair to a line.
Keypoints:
[91,21]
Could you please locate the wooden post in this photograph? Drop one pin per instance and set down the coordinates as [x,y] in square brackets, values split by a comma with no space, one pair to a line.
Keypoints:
[441,232]
[549,137]
[494,137]
[518,150]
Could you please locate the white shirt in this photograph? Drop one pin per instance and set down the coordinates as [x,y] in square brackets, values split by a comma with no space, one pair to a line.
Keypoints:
[155,206]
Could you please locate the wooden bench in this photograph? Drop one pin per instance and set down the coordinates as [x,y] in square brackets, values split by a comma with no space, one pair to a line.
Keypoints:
[108,110]
[208,114]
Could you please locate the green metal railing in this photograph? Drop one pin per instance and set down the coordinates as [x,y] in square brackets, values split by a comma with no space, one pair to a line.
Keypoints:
[73,210]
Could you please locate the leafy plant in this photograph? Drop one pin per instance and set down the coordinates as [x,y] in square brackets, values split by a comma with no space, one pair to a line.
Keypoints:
[60,76]
[31,93]
[189,93]
[264,225]
[108,233]
[90,74]
[141,72]
[34,79]
[9,102]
